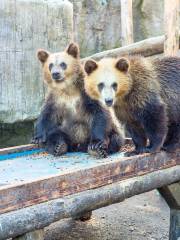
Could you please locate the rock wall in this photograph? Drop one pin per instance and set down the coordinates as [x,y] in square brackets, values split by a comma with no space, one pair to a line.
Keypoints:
[26,25]
[97,23]
[148,18]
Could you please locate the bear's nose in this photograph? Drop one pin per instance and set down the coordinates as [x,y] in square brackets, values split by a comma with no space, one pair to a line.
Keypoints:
[56,75]
[109,102]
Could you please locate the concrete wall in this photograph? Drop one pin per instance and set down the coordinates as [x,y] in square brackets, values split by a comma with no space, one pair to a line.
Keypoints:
[26,25]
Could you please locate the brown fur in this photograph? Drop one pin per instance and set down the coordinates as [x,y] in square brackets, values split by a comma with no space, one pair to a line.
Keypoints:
[69,117]
[73,74]
[94,78]
[66,96]
[147,98]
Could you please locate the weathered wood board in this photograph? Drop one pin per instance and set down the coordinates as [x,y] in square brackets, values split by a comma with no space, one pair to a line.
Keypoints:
[41,215]
[126,22]
[36,178]
[171,27]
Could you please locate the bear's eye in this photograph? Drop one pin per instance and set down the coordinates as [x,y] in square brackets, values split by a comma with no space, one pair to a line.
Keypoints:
[114,86]
[63,65]
[50,66]
[100,86]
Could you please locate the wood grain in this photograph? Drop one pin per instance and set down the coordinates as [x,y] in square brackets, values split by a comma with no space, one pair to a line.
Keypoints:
[148,47]
[41,215]
[16,149]
[171,194]
[171,27]
[29,193]
[126,22]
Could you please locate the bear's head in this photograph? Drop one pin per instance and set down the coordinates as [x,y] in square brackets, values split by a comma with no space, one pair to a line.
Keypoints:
[60,68]
[107,79]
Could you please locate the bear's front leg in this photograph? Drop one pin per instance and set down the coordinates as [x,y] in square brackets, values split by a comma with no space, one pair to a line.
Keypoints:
[40,133]
[172,142]
[116,141]
[57,142]
[155,122]
[98,145]
[139,138]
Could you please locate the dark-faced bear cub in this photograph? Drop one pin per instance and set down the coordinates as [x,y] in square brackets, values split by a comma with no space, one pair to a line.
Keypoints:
[70,120]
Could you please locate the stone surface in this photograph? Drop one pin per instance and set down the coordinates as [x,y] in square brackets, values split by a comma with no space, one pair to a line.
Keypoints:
[36,235]
[97,23]
[142,217]
[148,18]
[25,26]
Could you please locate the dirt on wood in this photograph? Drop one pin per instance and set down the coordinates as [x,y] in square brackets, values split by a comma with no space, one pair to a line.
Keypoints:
[143,217]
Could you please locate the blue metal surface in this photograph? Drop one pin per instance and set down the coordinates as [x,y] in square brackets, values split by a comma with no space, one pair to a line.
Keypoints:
[34,165]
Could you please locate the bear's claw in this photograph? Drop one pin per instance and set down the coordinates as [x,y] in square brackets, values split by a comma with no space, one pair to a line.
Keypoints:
[37,141]
[60,149]
[98,149]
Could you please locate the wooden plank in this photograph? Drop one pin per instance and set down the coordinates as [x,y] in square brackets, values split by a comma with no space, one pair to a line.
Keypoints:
[19,151]
[171,27]
[171,194]
[148,47]
[126,22]
[16,149]
[41,215]
[174,231]
[29,193]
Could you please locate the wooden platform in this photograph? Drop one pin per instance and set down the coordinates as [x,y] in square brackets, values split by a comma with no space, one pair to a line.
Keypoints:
[29,176]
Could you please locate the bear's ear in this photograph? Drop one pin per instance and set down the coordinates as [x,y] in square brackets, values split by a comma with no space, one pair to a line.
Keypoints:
[122,64]
[73,50]
[42,55]
[90,66]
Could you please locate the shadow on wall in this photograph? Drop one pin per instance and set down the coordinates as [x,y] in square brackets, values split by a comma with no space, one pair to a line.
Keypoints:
[15,134]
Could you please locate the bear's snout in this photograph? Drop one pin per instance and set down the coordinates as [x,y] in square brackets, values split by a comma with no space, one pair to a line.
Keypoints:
[109,102]
[56,75]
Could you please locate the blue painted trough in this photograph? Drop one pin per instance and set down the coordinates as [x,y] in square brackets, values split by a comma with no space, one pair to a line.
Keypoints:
[34,164]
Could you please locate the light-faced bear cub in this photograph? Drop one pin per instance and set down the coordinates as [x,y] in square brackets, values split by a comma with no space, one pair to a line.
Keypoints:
[145,95]
[70,120]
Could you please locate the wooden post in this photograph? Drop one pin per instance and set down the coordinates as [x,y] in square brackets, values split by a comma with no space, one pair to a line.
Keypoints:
[126,22]
[171,194]
[171,27]
[174,232]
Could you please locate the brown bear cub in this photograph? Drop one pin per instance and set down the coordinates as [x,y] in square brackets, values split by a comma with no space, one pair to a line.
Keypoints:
[145,95]
[70,120]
